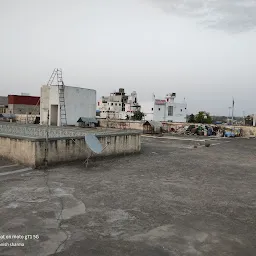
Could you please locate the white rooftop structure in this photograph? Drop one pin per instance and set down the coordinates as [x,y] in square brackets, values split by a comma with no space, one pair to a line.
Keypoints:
[166,110]
[79,102]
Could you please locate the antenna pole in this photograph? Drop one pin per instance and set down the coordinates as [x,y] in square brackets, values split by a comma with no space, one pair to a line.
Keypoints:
[46,141]
[233,105]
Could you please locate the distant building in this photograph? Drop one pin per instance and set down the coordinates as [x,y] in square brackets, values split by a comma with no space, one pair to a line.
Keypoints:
[20,104]
[79,102]
[118,105]
[3,104]
[167,110]
[250,120]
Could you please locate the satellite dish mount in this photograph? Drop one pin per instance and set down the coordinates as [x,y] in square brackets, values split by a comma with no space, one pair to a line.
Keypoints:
[94,146]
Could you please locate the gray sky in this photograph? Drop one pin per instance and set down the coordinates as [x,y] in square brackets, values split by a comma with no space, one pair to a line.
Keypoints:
[203,50]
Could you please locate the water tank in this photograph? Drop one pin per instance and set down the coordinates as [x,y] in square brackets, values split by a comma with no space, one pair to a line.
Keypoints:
[121,90]
[171,95]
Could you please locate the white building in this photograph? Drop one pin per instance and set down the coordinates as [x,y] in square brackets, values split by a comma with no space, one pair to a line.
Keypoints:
[118,105]
[79,102]
[166,110]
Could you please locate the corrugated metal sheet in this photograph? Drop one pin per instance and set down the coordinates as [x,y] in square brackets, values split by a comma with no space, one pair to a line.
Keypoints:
[87,120]
[151,127]
[24,100]
[7,115]
[154,124]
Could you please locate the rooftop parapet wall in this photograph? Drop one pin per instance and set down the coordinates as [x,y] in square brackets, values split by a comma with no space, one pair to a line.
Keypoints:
[39,131]
[26,144]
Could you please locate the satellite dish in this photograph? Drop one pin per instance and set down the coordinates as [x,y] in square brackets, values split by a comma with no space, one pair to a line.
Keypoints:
[93,143]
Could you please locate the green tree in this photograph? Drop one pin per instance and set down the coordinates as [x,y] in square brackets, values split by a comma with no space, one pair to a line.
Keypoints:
[138,115]
[203,117]
[191,118]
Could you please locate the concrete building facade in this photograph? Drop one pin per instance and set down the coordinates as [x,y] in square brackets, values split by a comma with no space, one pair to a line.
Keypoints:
[118,105]
[79,102]
[254,120]
[3,104]
[167,110]
[21,104]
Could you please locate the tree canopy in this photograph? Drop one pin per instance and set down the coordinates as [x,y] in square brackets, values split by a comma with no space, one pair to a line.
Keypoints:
[138,115]
[203,117]
[191,118]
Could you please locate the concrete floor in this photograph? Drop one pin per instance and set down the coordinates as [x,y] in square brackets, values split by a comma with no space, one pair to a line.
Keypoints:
[172,199]
[10,168]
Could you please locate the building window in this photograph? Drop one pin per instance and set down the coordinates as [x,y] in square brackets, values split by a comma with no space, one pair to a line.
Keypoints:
[185,108]
[152,109]
[116,104]
[108,108]
[159,109]
[181,110]
[120,104]
[170,111]
[111,104]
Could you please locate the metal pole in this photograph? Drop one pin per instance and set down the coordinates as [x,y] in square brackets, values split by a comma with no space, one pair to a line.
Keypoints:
[165,110]
[46,141]
[233,116]
[233,104]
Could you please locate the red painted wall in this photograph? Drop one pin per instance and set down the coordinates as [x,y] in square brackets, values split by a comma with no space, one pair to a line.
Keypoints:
[25,100]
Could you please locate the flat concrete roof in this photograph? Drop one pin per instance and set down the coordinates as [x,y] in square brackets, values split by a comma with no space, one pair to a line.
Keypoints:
[172,199]
[35,131]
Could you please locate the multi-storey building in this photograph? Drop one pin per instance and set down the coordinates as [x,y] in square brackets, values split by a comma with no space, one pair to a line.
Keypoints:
[118,105]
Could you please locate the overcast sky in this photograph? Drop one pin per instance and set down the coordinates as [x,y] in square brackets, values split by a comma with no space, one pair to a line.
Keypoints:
[203,50]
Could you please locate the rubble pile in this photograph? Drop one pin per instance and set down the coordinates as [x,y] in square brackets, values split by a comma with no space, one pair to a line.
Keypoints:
[204,130]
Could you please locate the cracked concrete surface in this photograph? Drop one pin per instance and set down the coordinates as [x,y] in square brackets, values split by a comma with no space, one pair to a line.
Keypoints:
[172,199]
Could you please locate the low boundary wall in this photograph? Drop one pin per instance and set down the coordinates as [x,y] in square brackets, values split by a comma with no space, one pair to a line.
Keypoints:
[247,131]
[32,151]
[27,144]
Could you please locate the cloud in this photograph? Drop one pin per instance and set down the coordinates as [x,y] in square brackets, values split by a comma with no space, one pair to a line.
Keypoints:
[228,15]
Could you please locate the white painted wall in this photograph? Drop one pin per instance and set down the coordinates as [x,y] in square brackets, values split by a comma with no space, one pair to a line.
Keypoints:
[160,112]
[80,102]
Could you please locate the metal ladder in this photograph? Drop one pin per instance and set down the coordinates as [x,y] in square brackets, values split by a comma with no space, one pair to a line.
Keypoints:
[61,89]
